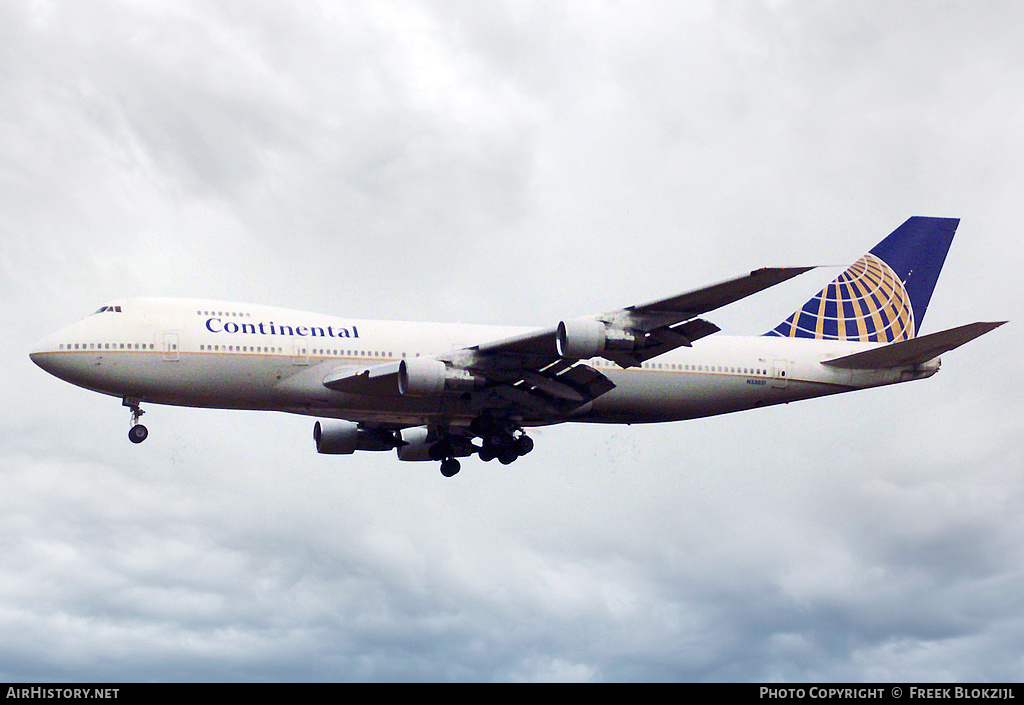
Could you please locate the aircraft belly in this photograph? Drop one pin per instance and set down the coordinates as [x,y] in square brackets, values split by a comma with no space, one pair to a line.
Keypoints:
[245,382]
[275,382]
[201,380]
[650,396]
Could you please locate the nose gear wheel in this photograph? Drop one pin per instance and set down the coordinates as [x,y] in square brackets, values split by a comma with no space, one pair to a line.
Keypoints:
[137,433]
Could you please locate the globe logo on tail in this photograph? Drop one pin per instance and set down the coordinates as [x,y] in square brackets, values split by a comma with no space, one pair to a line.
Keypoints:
[867,302]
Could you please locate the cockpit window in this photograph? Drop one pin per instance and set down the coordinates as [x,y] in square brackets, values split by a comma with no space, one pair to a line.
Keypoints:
[110,309]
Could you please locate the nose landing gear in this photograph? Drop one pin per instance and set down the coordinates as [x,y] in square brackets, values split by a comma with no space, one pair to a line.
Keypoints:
[137,433]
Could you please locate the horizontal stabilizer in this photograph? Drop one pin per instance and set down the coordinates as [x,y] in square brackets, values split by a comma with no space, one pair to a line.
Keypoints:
[914,351]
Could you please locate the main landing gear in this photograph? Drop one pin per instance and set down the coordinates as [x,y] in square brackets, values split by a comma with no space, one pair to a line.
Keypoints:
[450,467]
[502,439]
[137,433]
[506,447]
[445,451]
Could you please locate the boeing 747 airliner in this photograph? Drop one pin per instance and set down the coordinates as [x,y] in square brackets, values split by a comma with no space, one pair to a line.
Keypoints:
[443,392]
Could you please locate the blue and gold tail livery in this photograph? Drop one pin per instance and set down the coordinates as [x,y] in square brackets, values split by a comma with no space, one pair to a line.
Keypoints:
[883,296]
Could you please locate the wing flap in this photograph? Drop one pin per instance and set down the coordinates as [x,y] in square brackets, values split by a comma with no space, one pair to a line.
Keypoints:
[914,351]
[556,388]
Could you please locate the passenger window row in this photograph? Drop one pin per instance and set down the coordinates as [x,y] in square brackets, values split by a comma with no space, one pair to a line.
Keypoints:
[379,354]
[107,346]
[319,352]
[727,369]
[224,314]
[724,369]
[240,348]
[351,353]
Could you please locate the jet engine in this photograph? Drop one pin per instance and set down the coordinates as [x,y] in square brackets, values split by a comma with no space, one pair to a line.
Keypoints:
[584,338]
[419,445]
[423,377]
[346,437]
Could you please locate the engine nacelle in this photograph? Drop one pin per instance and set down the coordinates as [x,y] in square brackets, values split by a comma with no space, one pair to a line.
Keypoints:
[424,377]
[345,438]
[580,338]
[584,338]
[421,377]
[417,446]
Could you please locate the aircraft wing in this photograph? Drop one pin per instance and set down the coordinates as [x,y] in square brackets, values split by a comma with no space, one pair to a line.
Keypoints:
[373,380]
[544,369]
[540,386]
[541,374]
[656,326]
[661,312]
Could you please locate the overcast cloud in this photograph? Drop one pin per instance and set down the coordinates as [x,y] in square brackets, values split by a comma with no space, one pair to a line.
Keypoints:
[510,162]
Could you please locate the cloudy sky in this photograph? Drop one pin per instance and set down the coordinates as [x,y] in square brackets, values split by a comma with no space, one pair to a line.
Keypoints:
[510,162]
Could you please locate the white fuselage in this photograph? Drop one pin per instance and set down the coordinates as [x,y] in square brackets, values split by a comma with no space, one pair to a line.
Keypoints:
[243,356]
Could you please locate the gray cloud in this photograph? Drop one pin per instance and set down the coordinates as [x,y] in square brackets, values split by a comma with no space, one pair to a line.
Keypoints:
[510,163]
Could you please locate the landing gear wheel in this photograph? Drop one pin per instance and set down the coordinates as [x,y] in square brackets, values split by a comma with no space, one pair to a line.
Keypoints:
[450,467]
[500,442]
[524,444]
[138,433]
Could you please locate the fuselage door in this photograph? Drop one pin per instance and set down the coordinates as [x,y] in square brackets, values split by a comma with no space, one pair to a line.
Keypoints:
[780,373]
[300,351]
[171,351]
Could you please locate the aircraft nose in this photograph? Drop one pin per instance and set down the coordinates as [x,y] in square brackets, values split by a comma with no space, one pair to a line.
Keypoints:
[43,353]
[38,352]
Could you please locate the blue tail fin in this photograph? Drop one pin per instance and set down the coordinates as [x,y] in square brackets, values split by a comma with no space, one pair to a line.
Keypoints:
[883,296]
